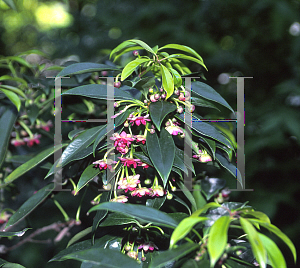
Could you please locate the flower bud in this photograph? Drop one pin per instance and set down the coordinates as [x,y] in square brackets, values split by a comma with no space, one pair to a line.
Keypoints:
[126,124]
[147,181]
[117,84]
[181,97]
[152,131]
[168,124]
[177,92]
[145,101]
[116,104]
[169,196]
[192,108]
[161,90]
[152,98]
[135,53]
[163,96]
[151,90]
[104,73]
[156,96]
[127,247]
[180,109]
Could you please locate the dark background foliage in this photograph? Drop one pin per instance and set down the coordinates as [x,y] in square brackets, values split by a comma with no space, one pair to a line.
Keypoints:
[252,38]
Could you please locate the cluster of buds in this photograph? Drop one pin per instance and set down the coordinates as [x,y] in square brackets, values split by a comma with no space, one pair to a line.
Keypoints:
[158,95]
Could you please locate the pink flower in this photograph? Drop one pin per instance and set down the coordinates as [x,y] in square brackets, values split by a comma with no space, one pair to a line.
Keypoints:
[122,141]
[45,125]
[158,191]
[139,120]
[129,161]
[32,140]
[130,183]
[148,246]
[141,192]
[174,130]
[104,163]
[202,156]
[142,164]
[140,138]
[120,199]
[17,142]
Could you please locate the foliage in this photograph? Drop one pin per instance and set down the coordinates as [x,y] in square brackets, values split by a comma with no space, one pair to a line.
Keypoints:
[138,165]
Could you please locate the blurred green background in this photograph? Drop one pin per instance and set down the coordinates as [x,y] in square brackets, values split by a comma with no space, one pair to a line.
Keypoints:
[252,38]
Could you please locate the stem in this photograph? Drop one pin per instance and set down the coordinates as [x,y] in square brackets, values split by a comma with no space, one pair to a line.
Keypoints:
[61,210]
[26,128]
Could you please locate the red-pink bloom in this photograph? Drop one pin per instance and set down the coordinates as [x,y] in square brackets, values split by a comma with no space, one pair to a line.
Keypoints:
[129,161]
[141,192]
[158,191]
[148,246]
[17,142]
[130,183]
[174,130]
[104,163]
[140,138]
[45,125]
[122,141]
[139,120]
[120,199]
[32,140]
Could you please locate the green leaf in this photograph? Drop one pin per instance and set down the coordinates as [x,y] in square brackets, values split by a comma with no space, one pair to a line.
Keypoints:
[257,246]
[102,134]
[17,79]
[12,265]
[188,194]
[272,228]
[167,81]
[79,235]
[8,116]
[179,66]
[11,4]
[229,166]
[30,204]
[8,234]
[125,50]
[200,200]
[13,97]
[180,201]
[139,212]
[207,92]
[217,240]
[19,60]
[173,254]
[182,56]
[79,143]
[161,152]
[102,242]
[120,48]
[211,186]
[85,67]
[97,92]
[131,66]
[156,202]
[14,89]
[87,175]
[159,110]
[203,103]
[19,171]
[275,256]
[32,112]
[183,228]
[257,214]
[142,44]
[74,132]
[205,208]
[104,258]
[176,77]
[117,219]
[183,48]
[179,161]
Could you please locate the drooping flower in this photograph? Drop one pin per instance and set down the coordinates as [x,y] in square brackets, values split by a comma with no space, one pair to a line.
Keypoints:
[130,183]
[17,142]
[132,254]
[202,156]
[129,161]
[120,199]
[174,130]
[157,191]
[104,163]
[139,120]
[140,138]
[148,246]
[122,141]
[32,140]
[45,125]
[141,192]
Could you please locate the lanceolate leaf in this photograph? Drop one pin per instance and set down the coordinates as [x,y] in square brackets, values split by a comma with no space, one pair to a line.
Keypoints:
[142,44]
[87,175]
[30,204]
[131,66]
[161,152]
[182,56]
[8,115]
[19,171]
[97,91]
[203,103]
[104,258]
[140,212]
[183,228]
[172,255]
[188,194]
[257,246]
[117,219]
[159,110]
[167,81]
[99,138]
[217,240]
[207,92]
[8,234]
[79,235]
[13,97]
[274,254]
[176,77]
[85,67]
